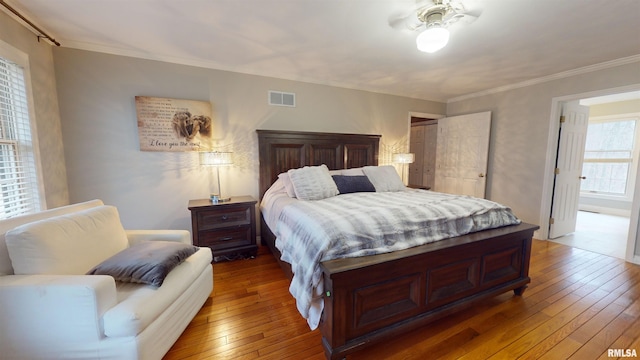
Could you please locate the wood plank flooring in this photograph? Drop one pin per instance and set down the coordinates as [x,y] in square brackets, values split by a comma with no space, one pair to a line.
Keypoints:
[579,304]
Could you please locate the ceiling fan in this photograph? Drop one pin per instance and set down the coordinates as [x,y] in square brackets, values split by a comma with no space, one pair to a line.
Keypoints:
[432,18]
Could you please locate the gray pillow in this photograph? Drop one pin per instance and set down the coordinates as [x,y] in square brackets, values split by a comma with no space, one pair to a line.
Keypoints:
[147,262]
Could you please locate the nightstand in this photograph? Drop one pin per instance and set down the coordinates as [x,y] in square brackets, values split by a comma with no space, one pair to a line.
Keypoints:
[421,187]
[228,228]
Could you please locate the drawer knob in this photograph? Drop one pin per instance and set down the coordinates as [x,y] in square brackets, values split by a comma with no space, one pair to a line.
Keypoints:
[224,217]
[226,238]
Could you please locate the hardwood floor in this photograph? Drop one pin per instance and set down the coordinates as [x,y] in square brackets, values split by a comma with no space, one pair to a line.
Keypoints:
[579,304]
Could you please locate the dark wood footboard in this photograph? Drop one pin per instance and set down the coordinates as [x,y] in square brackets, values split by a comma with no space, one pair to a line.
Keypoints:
[370,299]
[374,298]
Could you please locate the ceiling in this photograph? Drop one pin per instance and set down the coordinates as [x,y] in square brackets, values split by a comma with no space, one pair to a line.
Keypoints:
[349,43]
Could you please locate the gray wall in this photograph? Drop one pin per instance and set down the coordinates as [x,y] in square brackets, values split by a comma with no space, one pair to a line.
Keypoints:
[520,133]
[45,106]
[151,189]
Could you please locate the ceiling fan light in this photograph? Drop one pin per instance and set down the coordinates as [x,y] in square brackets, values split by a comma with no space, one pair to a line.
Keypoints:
[432,39]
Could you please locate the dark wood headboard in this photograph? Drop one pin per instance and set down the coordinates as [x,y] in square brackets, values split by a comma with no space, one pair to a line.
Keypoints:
[280,151]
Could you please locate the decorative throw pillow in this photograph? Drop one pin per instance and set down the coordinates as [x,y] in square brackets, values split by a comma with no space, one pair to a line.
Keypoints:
[384,178]
[313,182]
[353,184]
[147,262]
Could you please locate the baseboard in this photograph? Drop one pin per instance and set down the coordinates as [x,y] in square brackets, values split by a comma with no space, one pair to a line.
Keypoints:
[605,210]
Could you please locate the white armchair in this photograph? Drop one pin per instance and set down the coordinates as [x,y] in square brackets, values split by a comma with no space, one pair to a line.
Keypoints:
[76,316]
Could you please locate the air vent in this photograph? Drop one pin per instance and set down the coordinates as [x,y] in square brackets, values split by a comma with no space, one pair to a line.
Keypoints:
[279,98]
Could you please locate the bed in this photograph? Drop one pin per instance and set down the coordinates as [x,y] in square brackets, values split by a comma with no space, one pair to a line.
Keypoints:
[372,298]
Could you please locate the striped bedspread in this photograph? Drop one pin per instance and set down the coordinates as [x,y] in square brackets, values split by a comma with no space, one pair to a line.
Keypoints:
[360,224]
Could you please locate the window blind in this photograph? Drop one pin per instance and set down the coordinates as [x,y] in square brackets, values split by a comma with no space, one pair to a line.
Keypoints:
[18,177]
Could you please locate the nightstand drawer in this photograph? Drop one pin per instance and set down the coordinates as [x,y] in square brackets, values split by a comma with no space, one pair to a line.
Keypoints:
[228,238]
[227,227]
[217,219]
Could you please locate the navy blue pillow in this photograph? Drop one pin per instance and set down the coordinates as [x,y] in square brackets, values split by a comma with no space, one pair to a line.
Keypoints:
[353,184]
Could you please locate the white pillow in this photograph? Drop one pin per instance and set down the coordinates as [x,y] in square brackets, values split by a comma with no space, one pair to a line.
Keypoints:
[384,178]
[288,186]
[352,172]
[313,182]
[69,244]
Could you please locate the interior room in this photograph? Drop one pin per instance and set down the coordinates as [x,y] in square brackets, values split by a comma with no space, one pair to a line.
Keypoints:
[207,123]
[606,212]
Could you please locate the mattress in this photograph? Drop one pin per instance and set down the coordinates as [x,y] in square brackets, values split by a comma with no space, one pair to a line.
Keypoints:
[361,224]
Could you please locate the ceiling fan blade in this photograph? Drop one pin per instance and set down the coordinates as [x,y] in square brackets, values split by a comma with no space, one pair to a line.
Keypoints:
[473,12]
[405,21]
[468,19]
[461,18]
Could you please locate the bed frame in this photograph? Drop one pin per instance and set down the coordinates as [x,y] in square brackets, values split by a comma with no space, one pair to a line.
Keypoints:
[375,298]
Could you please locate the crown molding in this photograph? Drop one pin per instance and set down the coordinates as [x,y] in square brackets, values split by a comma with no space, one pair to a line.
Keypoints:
[561,75]
[215,66]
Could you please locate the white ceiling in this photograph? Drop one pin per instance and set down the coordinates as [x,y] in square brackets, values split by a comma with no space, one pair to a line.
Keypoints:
[349,43]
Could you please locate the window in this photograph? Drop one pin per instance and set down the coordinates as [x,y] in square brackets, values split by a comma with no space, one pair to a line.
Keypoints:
[608,157]
[19,189]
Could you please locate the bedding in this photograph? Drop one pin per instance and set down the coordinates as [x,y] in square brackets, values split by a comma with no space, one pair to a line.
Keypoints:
[288,185]
[360,224]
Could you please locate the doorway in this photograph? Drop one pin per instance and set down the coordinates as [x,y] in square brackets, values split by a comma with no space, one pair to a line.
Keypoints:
[603,215]
[422,143]
[461,154]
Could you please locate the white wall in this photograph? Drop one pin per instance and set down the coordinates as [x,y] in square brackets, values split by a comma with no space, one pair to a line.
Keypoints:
[520,134]
[151,189]
[46,114]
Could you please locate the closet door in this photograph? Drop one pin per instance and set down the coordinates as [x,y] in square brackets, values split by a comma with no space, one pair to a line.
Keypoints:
[416,146]
[429,155]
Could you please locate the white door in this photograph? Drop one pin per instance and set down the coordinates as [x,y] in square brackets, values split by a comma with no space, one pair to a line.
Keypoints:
[566,190]
[429,155]
[462,153]
[416,145]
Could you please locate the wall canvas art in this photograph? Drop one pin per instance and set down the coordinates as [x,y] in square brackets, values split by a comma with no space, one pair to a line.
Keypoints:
[173,124]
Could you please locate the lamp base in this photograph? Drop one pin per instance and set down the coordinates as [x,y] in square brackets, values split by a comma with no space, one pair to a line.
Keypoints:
[215,198]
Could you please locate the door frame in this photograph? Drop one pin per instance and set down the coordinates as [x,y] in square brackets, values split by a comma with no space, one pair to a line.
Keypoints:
[422,115]
[419,114]
[550,164]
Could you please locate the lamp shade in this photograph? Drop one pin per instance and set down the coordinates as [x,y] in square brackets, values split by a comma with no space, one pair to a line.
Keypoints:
[403,158]
[215,158]
[432,39]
